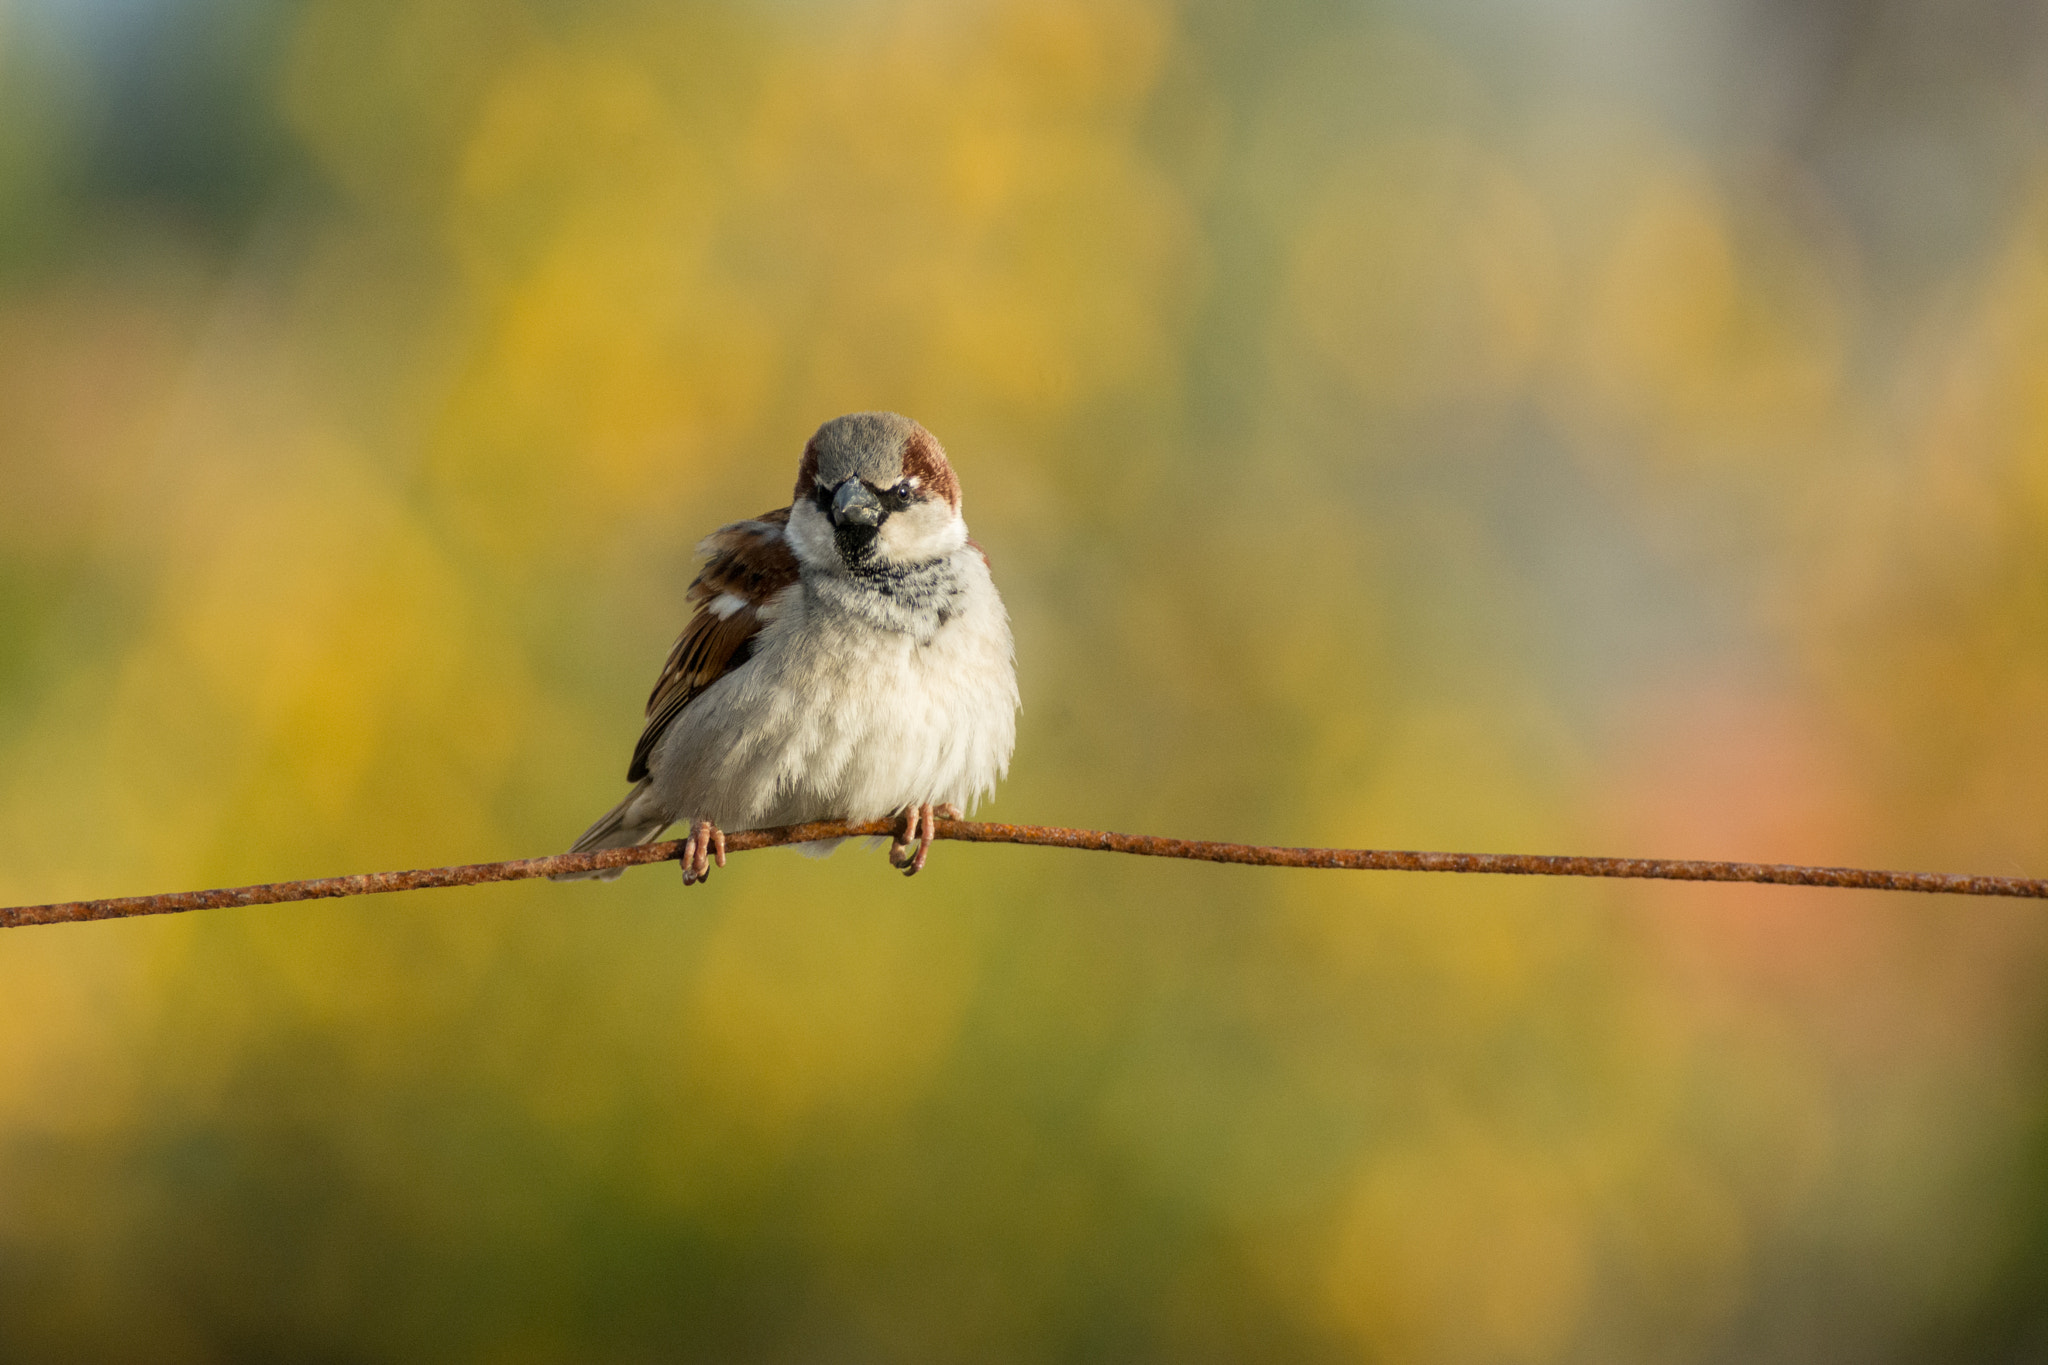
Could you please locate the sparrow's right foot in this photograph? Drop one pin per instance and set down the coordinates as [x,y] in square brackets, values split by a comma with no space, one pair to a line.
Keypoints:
[904,840]
[706,841]
[907,850]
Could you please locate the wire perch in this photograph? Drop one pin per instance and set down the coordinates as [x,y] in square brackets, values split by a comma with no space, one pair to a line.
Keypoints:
[1045,836]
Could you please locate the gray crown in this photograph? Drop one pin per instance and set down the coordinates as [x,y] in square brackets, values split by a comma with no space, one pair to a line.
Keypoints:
[867,444]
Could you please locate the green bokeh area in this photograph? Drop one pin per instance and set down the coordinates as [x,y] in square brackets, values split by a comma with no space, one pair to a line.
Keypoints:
[1609,428]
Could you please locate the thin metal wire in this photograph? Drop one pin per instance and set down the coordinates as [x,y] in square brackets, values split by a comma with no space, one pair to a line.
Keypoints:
[1045,836]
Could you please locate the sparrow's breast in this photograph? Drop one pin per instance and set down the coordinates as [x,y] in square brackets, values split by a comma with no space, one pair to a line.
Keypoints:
[856,704]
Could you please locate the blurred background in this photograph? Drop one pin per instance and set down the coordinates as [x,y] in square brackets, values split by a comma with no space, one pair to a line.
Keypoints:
[1607,426]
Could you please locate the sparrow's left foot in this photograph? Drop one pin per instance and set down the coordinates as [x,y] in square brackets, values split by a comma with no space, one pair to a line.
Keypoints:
[706,841]
[920,826]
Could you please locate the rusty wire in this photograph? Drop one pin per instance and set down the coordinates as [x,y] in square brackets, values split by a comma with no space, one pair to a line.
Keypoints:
[973,831]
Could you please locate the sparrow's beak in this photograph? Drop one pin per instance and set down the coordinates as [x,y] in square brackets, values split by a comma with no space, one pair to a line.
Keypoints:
[856,519]
[855,504]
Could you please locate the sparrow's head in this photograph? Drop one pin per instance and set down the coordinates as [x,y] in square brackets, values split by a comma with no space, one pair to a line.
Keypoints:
[875,489]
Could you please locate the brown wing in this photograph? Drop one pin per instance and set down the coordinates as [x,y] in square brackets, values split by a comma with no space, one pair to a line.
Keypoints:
[749,562]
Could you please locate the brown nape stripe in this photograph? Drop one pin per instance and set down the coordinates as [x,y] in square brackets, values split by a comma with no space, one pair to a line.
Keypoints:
[924,461]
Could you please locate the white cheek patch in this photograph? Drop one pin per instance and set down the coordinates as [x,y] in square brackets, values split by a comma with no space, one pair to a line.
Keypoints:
[810,535]
[922,531]
[724,605]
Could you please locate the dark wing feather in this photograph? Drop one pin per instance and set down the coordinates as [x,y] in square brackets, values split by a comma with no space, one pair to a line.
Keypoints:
[749,563]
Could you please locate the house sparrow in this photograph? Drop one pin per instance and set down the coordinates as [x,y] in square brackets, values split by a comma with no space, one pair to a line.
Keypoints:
[849,658]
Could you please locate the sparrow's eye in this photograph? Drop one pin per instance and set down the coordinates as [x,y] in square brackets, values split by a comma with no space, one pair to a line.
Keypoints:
[822,496]
[899,497]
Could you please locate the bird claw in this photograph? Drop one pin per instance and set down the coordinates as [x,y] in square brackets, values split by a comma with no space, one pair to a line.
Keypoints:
[920,827]
[706,842]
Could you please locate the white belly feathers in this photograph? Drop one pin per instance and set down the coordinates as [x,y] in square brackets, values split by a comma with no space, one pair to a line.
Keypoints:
[838,715]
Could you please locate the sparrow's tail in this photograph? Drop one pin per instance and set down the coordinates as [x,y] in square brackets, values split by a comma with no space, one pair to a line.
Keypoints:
[622,826]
